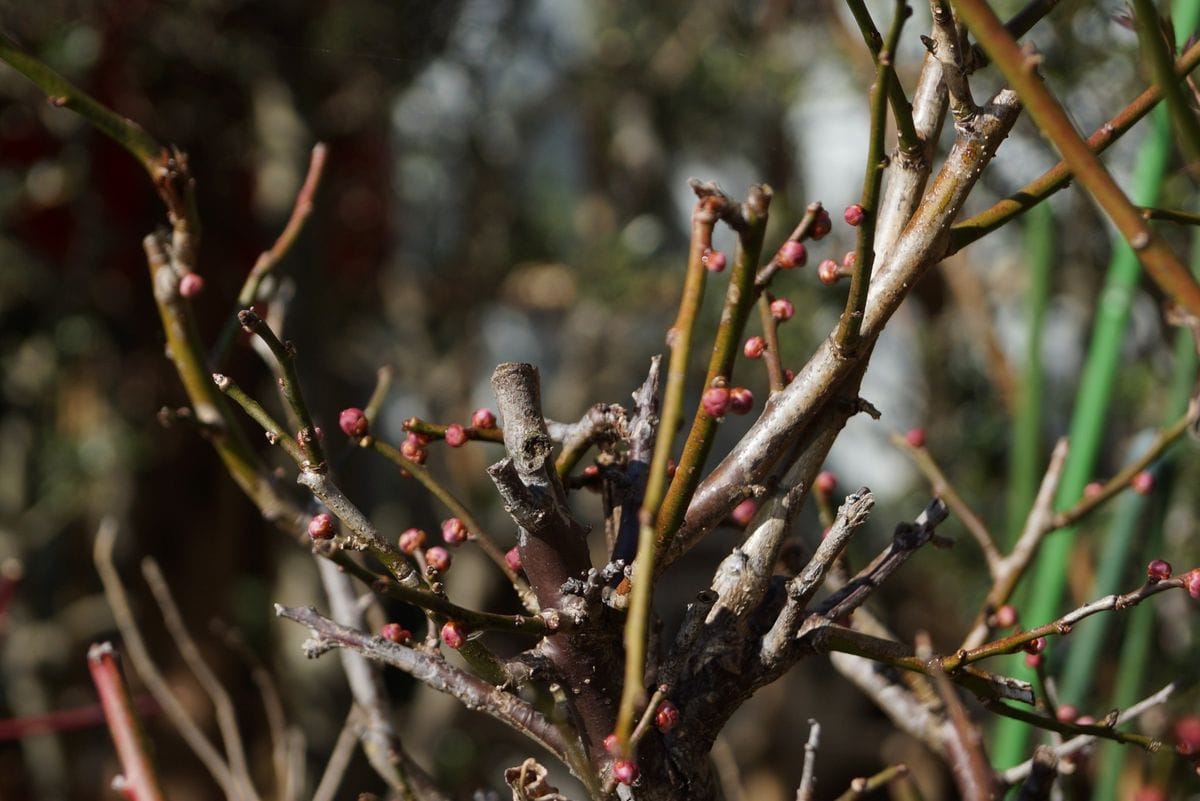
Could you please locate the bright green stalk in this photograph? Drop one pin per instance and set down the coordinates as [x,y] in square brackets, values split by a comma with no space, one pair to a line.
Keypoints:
[1090,417]
[1024,467]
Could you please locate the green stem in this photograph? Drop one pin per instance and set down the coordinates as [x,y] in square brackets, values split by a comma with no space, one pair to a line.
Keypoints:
[848,335]
[906,132]
[1089,418]
[1059,176]
[1162,265]
[1027,426]
[1157,54]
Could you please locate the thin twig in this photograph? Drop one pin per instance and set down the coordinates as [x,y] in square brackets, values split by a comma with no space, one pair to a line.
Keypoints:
[1060,175]
[1156,51]
[848,337]
[270,258]
[1161,263]
[474,692]
[339,759]
[964,751]
[861,787]
[138,780]
[1082,741]
[943,489]
[227,724]
[808,773]
[906,134]
[289,385]
[149,673]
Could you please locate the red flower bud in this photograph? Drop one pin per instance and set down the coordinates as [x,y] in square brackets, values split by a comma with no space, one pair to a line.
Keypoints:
[821,226]
[854,214]
[610,743]
[782,309]
[411,540]
[353,422]
[667,717]
[456,435]
[1033,661]
[715,401]
[625,771]
[396,633]
[483,418]
[453,634]
[714,260]
[849,260]
[512,558]
[791,254]
[1035,646]
[191,285]
[671,468]
[1093,490]
[744,512]
[1158,570]
[1143,483]
[741,400]
[754,347]
[438,558]
[454,531]
[789,376]
[826,482]
[321,526]
[915,438]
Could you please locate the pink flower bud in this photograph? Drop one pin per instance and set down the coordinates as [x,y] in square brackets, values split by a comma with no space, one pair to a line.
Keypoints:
[412,451]
[1186,732]
[821,226]
[456,435]
[610,743]
[454,531]
[714,260]
[715,401]
[625,771]
[744,512]
[438,558]
[782,309]
[396,633]
[353,422]
[1066,713]
[667,717]
[1093,490]
[1191,582]
[321,526]
[754,347]
[1143,483]
[191,285]
[791,254]
[826,482]
[1035,646]
[512,558]
[411,540]
[829,272]
[741,400]
[849,260]
[483,418]
[854,214]
[1158,570]
[453,634]
[1033,661]
[915,438]
[1006,616]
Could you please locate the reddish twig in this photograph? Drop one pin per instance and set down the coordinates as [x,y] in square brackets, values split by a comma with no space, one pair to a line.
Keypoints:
[138,782]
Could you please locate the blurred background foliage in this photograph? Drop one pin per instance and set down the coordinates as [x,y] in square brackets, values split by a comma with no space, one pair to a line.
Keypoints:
[507,181]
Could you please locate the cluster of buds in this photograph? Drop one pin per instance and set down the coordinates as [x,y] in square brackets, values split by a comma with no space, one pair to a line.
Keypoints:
[718,400]
[394,632]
